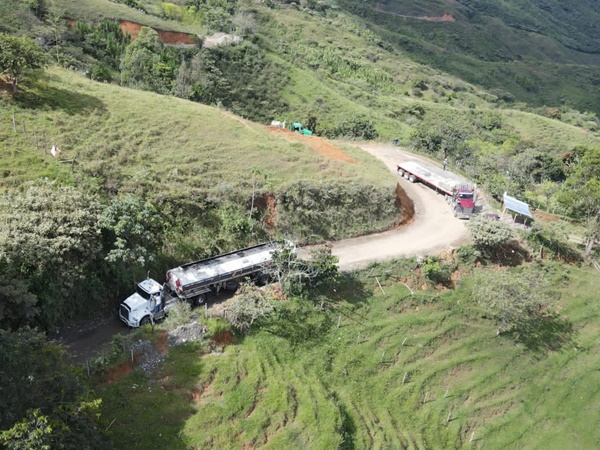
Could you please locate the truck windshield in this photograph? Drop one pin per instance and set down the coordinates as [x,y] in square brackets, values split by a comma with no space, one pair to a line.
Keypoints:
[143,293]
[465,195]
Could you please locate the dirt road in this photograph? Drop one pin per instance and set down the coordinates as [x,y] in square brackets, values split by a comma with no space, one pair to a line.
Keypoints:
[434,227]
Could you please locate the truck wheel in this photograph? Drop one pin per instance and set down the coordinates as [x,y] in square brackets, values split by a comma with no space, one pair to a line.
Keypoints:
[232,285]
[401,172]
[199,300]
[406,175]
[412,179]
[263,279]
[145,321]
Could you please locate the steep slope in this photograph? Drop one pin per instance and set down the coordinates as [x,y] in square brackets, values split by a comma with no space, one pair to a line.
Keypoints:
[538,52]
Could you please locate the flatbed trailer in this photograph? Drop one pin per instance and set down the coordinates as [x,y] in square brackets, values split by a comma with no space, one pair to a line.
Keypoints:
[459,193]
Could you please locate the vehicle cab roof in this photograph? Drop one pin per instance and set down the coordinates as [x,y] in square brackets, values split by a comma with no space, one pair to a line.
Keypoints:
[150,286]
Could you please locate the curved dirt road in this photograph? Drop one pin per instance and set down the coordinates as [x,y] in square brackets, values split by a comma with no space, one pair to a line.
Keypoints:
[433,229]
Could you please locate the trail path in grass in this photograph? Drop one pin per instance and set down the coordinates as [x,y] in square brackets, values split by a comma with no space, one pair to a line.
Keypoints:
[433,228]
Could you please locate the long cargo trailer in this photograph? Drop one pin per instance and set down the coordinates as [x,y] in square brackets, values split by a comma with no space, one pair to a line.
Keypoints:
[460,193]
[192,282]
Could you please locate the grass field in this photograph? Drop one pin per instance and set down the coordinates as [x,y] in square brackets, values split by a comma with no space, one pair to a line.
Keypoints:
[148,143]
[400,371]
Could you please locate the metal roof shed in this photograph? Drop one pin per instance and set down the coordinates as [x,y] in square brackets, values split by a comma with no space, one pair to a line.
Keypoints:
[515,205]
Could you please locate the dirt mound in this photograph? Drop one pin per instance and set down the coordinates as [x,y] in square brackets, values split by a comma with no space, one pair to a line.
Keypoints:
[405,204]
[322,146]
[381,7]
[168,37]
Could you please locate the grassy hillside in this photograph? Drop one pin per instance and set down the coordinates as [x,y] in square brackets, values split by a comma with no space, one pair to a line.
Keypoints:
[401,371]
[542,54]
[150,143]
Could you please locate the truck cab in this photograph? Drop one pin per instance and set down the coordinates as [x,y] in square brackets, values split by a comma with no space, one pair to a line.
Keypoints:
[463,202]
[143,306]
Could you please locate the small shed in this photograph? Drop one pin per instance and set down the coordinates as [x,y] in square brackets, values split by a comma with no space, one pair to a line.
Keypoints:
[516,206]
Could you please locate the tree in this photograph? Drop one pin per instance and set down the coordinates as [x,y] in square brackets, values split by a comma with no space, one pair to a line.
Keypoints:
[142,64]
[513,298]
[39,8]
[18,305]
[49,242]
[135,226]
[55,19]
[488,234]
[295,275]
[244,22]
[580,195]
[250,304]
[18,55]
[42,406]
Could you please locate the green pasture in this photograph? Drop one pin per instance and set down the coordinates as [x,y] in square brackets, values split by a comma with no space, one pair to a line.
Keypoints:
[148,143]
[377,367]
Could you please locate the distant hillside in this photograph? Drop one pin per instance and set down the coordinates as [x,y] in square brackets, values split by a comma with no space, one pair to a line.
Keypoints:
[540,52]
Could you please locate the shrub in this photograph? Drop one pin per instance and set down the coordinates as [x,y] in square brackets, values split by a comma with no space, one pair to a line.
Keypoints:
[489,234]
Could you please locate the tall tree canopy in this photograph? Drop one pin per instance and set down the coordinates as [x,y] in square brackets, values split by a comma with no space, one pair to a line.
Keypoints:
[580,194]
[17,56]
[44,402]
[49,240]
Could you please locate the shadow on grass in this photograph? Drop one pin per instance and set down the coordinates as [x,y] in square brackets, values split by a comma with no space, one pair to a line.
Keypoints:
[306,319]
[544,334]
[43,96]
[509,255]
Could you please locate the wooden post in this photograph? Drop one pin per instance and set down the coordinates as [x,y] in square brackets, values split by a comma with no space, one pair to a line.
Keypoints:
[339,321]
[404,379]
[24,129]
[448,418]
[382,356]
[14,123]
[472,434]
[403,342]
[132,356]
[377,279]
[205,310]
[446,394]
[358,338]
[425,399]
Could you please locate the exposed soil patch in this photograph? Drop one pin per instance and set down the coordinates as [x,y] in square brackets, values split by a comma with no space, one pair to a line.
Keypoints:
[545,217]
[161,342]
[443,18]
[223,338]
[116,373]
[405,204]
[168,37]
[322,146]
[267,203]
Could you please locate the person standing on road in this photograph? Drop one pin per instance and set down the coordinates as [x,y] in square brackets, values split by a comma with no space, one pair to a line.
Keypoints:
[445,163]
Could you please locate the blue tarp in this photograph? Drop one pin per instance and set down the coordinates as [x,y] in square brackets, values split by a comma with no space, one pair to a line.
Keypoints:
[516,205]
